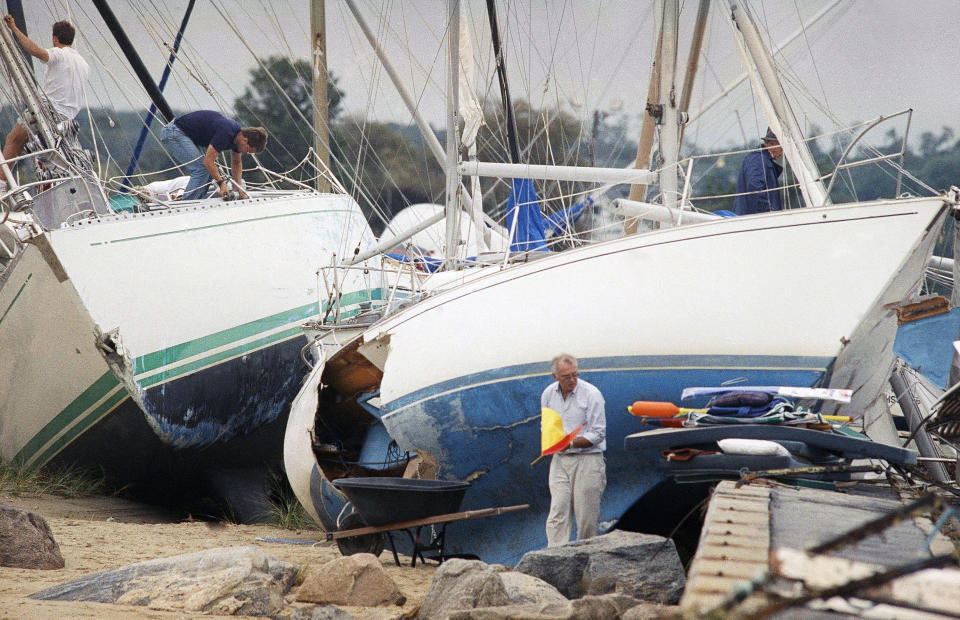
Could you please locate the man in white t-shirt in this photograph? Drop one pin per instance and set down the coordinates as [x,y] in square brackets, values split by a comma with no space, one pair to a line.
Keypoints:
[63,84]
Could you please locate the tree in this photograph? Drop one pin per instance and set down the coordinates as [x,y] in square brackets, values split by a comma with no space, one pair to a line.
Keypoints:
[280,99]
[384,169]
[544,137]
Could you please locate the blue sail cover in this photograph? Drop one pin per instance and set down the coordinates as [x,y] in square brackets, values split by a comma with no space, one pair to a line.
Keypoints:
[558,223]
[525,206]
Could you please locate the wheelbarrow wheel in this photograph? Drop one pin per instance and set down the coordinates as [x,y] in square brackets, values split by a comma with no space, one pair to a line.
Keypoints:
[367,543]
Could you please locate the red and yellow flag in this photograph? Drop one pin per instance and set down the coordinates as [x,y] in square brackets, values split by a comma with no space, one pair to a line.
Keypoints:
[552,437]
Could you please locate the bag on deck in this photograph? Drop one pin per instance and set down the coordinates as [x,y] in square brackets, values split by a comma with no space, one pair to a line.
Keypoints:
[747,404]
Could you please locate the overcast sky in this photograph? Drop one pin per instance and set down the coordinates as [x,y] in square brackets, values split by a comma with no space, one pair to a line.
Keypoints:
[864,59]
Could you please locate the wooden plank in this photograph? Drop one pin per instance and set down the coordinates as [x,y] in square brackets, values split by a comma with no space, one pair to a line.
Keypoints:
[730,517]
[435,520]
[719,568]
[930,306]
[729,503]
[739,530]
[760,541]
[739,554]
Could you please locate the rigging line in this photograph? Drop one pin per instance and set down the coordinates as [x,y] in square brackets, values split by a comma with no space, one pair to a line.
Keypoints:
[278,33]
[382,28]
[233,27]
[806,40]
[363,146]
[185,61]
[255,115]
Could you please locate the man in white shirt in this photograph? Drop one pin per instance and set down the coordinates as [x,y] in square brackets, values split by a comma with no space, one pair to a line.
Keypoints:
[578,474]
[63,83]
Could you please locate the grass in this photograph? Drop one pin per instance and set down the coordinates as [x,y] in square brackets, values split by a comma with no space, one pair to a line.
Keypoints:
[60,481]
[286,511]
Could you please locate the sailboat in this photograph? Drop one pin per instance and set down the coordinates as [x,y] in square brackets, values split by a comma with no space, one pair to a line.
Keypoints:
[802,297]
[161,345]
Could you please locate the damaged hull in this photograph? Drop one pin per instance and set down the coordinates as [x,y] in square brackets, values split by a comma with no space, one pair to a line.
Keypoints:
[169,341]
[802,298]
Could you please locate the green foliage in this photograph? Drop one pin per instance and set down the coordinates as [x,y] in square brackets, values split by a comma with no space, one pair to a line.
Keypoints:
[383,170]
[62,481]
[280,99]
[286,511]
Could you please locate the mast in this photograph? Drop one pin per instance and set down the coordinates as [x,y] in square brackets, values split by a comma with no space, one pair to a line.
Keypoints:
[669,126]
[15,9]
[743,76]
[472,114]
[318,38]
[153,107]
[428,136]
[645,144]
[134,59]
[780,115]
[26,92]
[453,149]
[504,85]
[693,60]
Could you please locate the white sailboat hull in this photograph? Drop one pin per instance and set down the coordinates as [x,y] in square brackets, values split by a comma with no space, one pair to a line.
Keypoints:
[145,343]
[792,298]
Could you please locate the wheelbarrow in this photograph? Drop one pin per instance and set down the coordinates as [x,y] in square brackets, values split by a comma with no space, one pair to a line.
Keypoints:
[387,505]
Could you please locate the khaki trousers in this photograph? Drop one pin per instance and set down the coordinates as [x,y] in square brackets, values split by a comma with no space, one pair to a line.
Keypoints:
[577,482]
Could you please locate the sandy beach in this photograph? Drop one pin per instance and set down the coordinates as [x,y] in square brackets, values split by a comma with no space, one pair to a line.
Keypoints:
[102,533]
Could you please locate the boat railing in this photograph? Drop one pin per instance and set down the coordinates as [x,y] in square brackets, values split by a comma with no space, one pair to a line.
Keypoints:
[274,184]
[62,194]
[388,284]
[843,164]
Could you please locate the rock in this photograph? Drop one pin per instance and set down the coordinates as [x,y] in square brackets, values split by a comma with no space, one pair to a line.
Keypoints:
[471,588]
[26,540]
[526,589]
[356,580]
[226,580]
[509,612]
[651,611]
[462,584]
[606,607]
[642,566]
[320,612]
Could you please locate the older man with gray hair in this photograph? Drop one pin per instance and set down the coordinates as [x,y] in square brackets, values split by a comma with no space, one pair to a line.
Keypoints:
[577,474]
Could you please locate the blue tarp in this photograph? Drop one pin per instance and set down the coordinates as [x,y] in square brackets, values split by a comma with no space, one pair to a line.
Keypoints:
[423,263]
[927,345]
[525,206]
[558,223]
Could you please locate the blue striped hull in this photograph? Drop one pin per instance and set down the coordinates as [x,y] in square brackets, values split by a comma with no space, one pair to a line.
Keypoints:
[485,429]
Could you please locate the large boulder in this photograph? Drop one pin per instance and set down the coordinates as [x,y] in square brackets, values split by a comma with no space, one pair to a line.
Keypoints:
[226,581]
[642,566]
[460,585]
[357,580]
[26,540]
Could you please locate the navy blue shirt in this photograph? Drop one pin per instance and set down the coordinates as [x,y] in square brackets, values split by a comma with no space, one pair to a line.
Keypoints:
[759,182]
[209,128]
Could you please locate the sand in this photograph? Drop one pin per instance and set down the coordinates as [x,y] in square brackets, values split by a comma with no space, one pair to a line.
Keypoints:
[102,533]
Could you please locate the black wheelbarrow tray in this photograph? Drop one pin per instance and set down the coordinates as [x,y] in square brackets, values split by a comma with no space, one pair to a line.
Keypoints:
[385,505]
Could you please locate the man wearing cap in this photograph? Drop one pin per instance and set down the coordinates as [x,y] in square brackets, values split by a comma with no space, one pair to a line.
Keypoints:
[758,189]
